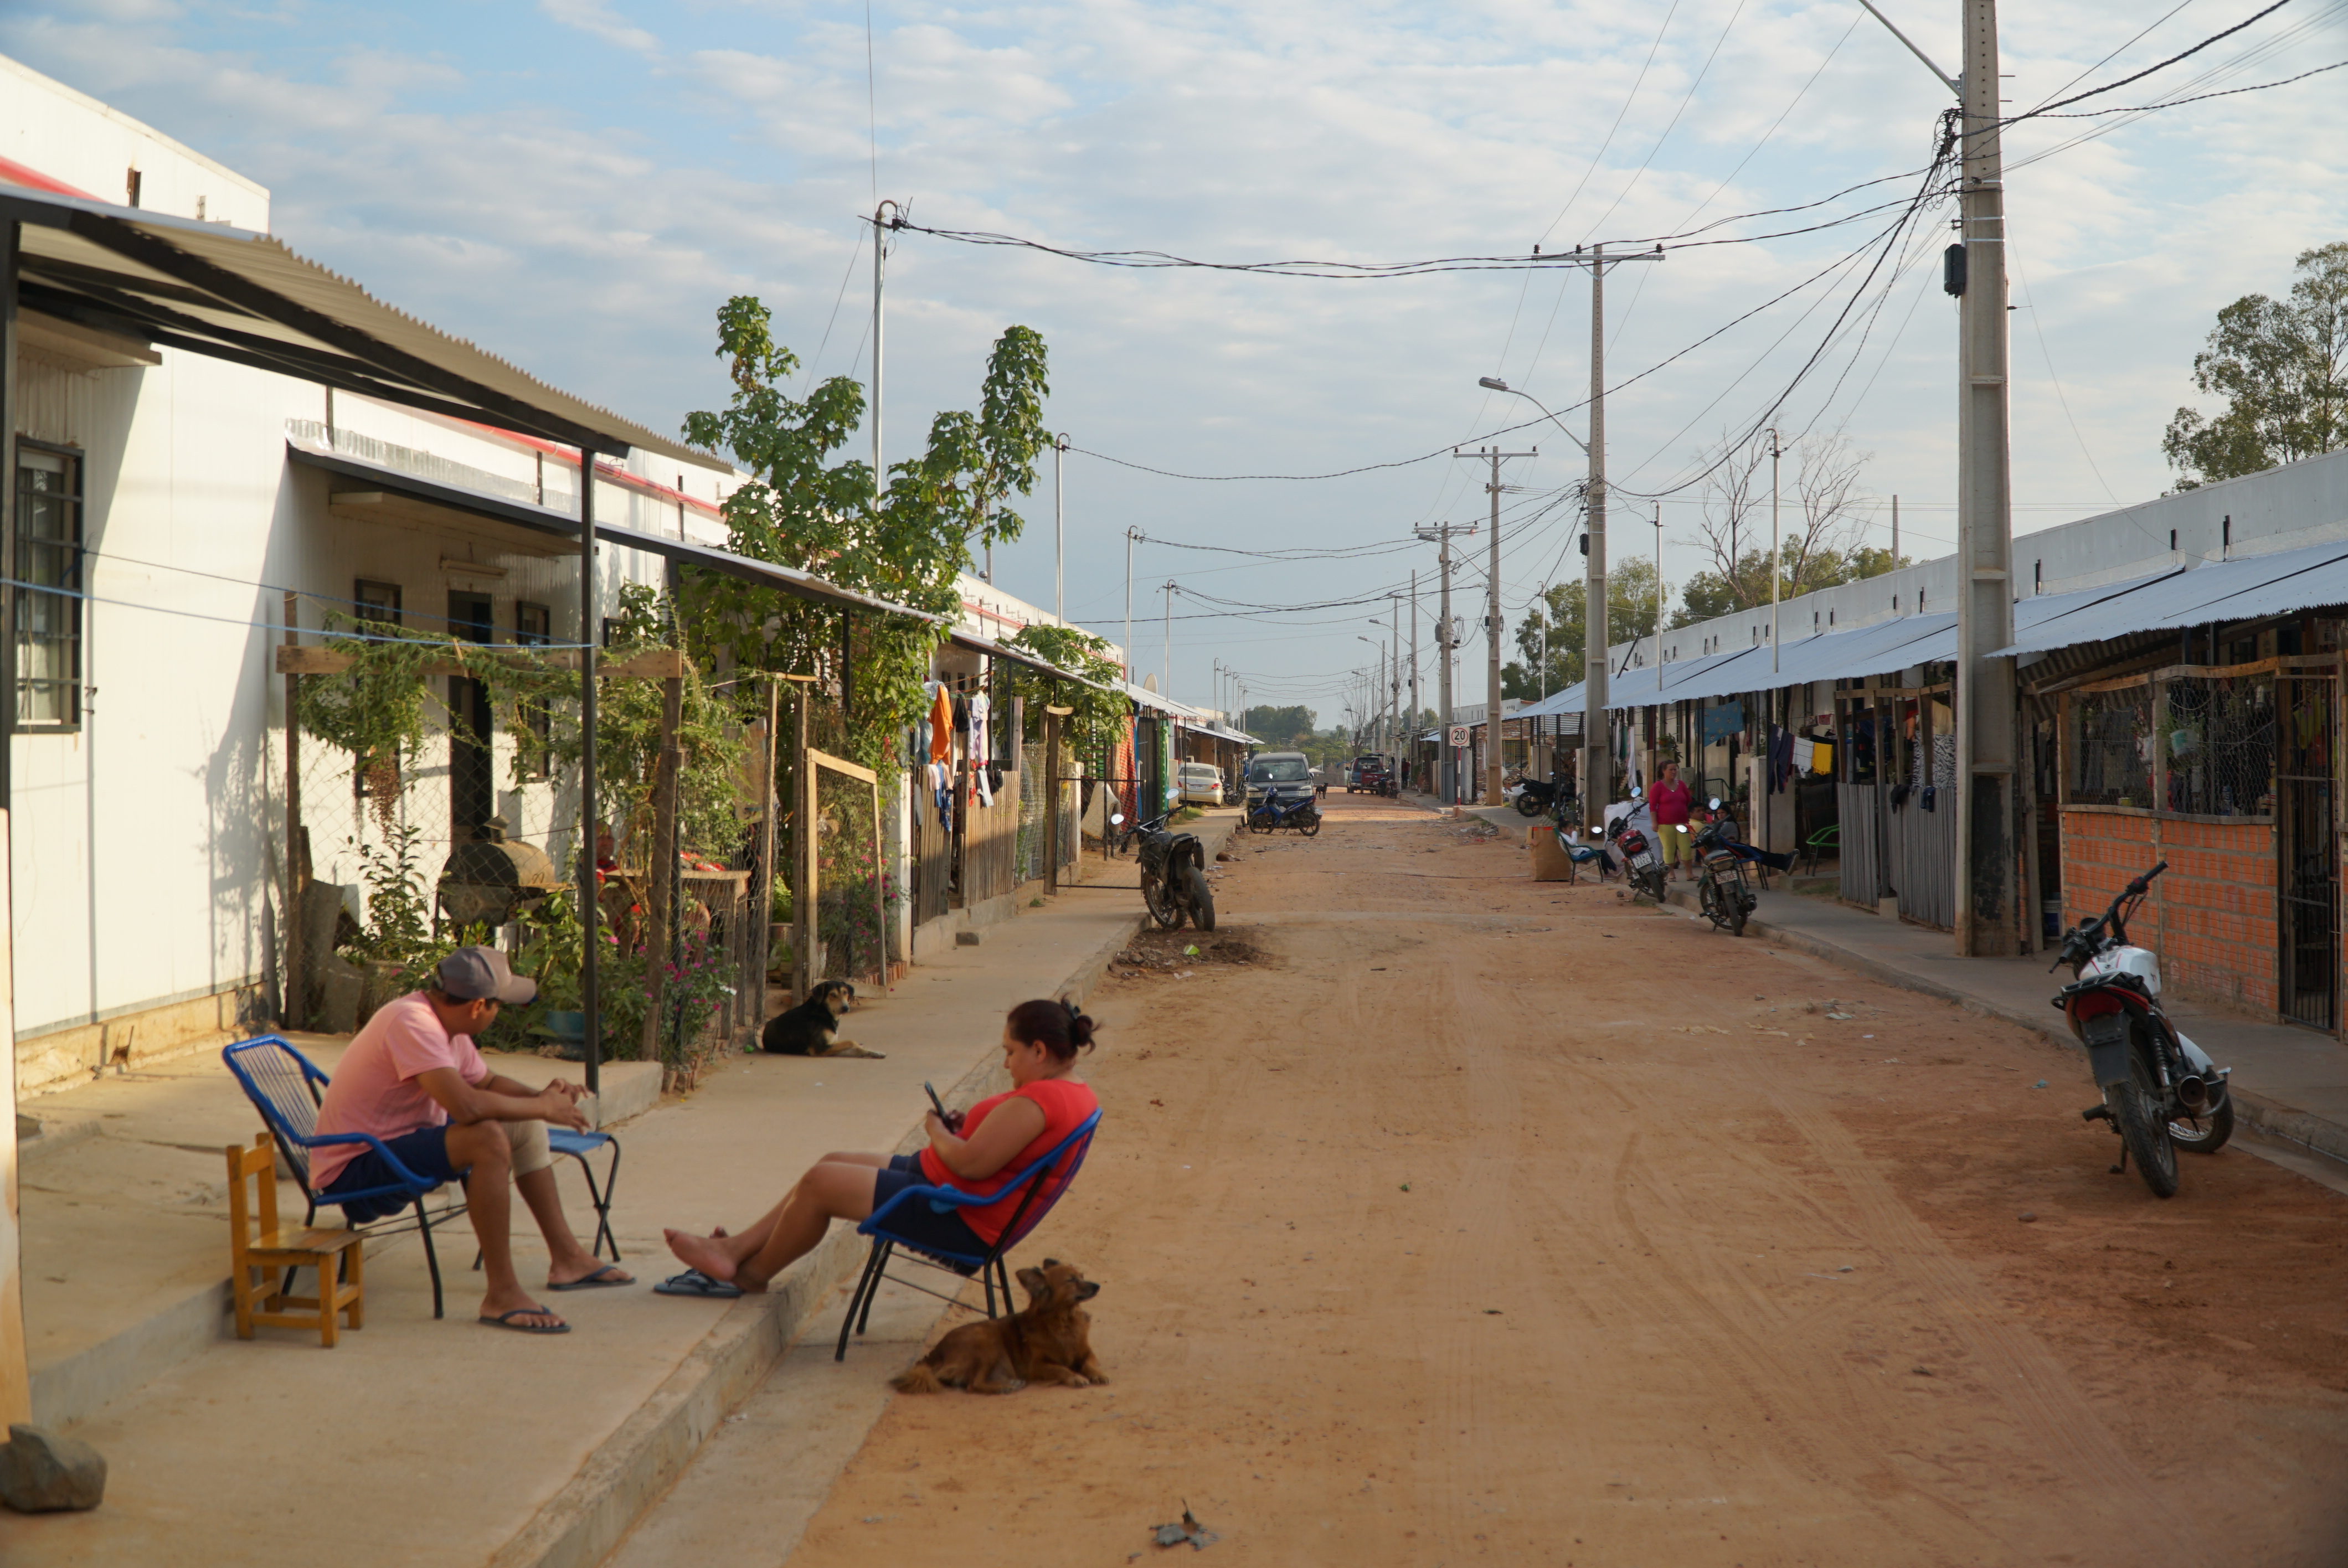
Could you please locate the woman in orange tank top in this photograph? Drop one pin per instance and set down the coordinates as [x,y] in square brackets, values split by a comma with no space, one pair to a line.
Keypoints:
[977,1151]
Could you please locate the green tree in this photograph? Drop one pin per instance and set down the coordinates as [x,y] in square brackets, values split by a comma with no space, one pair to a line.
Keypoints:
[1280,729]
[1630,612]
[2282,366]
[803,508]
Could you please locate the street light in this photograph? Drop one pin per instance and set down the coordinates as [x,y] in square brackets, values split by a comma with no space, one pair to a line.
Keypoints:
[1494,384]
[1593,779]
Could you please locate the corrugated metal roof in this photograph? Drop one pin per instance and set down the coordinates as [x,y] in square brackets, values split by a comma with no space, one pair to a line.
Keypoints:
[232,294]
[2230,590]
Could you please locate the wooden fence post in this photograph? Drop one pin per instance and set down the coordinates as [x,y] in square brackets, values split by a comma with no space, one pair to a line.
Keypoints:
[661,874]
[1052,799]
[762,897]
[803,893]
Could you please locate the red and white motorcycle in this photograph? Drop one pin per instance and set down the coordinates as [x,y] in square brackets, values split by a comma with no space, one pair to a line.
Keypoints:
[2161,1091]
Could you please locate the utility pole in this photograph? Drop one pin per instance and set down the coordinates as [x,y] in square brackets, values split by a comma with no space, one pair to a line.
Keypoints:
[1986,756]
[1659,598]
[1895,530]
[1775,548]
[1410,729]
[1987,759]
[1131,535]
[1492,627]
[1059,528]
[1448,782]
[1597,779]
[882,224]
[1165,681]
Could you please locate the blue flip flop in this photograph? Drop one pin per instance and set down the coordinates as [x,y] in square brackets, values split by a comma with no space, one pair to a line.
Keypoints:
[693,1281]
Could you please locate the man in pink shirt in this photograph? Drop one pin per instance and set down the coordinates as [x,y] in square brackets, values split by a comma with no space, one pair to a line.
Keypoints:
[413,1079]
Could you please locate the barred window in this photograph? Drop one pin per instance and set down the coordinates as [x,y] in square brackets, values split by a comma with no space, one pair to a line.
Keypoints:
[534,628]
[2217,739]
[376,604]
[2111,747]
[48,605]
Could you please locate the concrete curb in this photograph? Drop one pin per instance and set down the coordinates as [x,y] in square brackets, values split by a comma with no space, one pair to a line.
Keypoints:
[635,1466]
[2270,1117]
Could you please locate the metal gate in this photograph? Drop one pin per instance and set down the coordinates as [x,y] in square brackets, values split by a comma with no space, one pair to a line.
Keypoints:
[1861,834]
[2307,839]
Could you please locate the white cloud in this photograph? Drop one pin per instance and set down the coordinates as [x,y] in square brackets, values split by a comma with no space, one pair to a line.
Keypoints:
[584,208]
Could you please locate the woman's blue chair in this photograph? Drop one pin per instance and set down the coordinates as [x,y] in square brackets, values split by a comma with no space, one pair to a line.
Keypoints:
[1039,1186]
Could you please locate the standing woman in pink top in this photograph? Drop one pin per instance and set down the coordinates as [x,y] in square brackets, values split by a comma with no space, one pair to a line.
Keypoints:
[1668,802]
[978,1151]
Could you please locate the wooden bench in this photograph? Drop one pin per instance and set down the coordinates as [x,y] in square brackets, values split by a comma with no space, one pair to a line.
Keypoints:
[269,1249]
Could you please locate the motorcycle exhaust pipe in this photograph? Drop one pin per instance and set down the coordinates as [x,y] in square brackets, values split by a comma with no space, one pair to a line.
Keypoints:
[2193,1094]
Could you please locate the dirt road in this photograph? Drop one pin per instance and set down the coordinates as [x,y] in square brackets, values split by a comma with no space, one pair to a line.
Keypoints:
[1472,1219]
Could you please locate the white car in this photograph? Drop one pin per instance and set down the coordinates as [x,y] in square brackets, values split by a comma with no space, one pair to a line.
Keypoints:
[1200,783]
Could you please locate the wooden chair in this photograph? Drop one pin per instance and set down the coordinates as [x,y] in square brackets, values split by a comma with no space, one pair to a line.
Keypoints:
[271,1248]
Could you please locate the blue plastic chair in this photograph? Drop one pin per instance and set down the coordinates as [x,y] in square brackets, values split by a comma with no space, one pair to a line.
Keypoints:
[1044,1182]
[287,1088]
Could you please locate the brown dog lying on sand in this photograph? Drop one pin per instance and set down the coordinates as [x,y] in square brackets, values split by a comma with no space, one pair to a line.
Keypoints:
[1048,1341]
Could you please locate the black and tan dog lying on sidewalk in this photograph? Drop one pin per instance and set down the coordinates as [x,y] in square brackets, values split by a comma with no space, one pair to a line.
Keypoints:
[1047,1341]
[812,1028]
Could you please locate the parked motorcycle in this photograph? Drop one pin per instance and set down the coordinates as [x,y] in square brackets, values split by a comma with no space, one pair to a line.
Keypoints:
[2161,1093]
[1274,811]
[1722,891]
[1532,797]
[1173,875]
[1641,860]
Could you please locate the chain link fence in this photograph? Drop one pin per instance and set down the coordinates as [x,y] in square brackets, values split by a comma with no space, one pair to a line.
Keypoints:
[2111,746]
[2217,740]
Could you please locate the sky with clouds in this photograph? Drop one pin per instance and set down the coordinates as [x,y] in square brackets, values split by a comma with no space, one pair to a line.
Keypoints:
[578,184]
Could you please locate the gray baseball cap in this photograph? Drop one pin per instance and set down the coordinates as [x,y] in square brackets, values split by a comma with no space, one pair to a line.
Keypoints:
[473,974]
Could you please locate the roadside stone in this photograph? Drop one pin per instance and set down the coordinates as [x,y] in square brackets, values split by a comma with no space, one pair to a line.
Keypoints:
[41,1473]
[965,939]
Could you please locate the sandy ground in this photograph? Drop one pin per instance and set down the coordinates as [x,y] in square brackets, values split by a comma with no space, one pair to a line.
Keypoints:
[1472,1219]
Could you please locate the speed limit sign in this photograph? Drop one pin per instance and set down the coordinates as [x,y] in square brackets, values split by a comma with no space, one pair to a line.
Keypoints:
[1458,737]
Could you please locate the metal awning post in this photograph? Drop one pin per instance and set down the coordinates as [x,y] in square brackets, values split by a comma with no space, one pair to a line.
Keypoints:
[591,923]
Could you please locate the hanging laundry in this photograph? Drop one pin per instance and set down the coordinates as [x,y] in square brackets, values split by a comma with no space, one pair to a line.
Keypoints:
[940,723]
[979,708]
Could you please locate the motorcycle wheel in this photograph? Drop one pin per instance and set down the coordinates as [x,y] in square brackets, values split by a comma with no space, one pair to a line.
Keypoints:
[1259,823]
[1163,909]
[1202,901]
[1708,902]
[1311,826]
[1528,806]
[1736,912]
[2208,1133]
[2135,1107]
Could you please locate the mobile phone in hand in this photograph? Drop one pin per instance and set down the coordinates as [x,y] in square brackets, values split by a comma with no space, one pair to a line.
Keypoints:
[945,1115]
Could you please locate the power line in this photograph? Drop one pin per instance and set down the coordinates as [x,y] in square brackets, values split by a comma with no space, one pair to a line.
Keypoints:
[2164,65]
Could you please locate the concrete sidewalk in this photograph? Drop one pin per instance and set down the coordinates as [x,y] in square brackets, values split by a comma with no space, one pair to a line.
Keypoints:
[449,1441]
[2288,1083]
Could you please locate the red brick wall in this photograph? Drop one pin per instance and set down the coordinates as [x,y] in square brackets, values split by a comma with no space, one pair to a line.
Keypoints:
[2211,916]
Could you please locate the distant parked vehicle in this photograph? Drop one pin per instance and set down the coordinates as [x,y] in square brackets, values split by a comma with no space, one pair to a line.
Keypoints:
[1200,783]
[1280,793]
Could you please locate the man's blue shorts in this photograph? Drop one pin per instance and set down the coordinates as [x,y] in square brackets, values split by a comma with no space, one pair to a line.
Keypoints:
[423,1151]
[916,1220]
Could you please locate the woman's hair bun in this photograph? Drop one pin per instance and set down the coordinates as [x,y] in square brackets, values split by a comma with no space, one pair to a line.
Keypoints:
[1060,1026]
[1080,1027]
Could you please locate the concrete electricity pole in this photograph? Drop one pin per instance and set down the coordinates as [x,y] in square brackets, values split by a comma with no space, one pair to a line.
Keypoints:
[1131,535]
[1448,782]
[1492,627]
[1059,528]
[1987,755]
[1597,780]
[1410,730]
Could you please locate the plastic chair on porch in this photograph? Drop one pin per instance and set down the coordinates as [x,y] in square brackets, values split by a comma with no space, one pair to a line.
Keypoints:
[1042,1182]
[286,1088]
